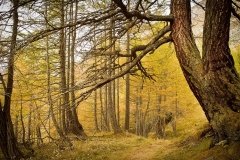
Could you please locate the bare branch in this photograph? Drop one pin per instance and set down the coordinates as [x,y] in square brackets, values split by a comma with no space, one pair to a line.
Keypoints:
[137,14]
[200,5]
[234,12]
[151,46]
[44,33]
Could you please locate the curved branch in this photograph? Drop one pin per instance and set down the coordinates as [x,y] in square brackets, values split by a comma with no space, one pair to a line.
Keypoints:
[150,47]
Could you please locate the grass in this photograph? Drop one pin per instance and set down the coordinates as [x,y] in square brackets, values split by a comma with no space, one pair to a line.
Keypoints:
[186,145]
[131,147]
[95,148]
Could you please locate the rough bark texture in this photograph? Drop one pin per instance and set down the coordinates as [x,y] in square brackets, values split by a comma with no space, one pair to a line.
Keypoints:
[8,141]
[212,78]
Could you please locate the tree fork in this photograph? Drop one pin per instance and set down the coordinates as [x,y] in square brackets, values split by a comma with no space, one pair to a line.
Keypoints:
[212,79]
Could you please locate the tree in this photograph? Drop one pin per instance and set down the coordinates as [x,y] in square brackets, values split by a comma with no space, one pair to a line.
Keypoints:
[111,85]
[212,77]
[72,123]
[8,141]
[127,111]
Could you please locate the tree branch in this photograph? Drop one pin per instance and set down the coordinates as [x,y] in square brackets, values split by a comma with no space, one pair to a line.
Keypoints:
[200,5]
[152,45]
[137,14]
[234,12]
[44,33]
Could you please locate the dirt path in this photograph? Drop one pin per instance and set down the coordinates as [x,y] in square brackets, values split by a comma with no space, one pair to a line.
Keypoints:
[151,151]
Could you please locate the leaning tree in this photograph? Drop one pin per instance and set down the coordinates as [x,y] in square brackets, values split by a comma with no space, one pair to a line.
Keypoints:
[211,75]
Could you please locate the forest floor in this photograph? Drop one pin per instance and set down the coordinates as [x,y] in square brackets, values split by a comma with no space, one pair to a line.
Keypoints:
[185,145]
[131,147]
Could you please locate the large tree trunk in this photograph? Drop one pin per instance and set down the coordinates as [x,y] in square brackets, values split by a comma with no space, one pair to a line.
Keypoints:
[212,78]
[8,141]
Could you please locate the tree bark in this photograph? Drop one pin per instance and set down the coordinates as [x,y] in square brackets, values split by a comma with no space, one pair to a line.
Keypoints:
[212,78]
[8,141]
[77,126]
[38,125]
[111,85]
[29,133]
[22,123]
[64,92]
[127,100]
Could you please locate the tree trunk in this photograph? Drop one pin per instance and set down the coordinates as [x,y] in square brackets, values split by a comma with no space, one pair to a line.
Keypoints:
[118,96]
[137,115]
[29,133]
[145,124]
[127,100]
[106,85]
[8,141]
[111,85]
[77,127]
[22,123]
[106,115]
[38,125]
[104,120]
[16,126]
[64,91]
[212,78]
[95,92]
[95,111]
[101,110]
[139,118]
[49,96]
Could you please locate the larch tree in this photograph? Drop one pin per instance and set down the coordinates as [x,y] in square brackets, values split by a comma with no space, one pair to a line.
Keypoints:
[8,141]
[211,76]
